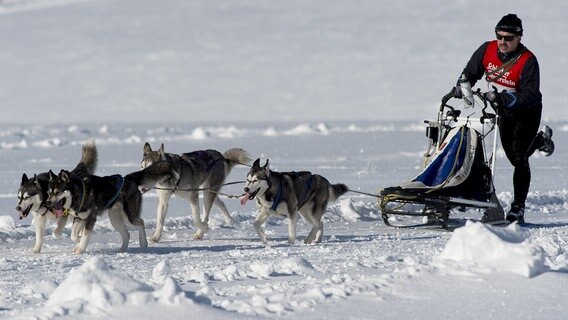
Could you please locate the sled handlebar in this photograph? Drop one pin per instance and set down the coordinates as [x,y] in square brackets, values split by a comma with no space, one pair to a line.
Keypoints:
[453,113]
[486,103]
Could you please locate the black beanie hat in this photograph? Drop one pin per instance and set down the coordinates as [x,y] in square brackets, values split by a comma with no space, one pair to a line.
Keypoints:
[510,23]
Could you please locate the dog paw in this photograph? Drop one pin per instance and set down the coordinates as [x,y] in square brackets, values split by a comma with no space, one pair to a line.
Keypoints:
[198,235]
[57,234]
[155,239]
[143,244]
[78,250]
[36,250]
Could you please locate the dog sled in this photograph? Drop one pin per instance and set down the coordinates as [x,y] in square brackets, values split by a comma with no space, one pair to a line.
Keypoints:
[457,174]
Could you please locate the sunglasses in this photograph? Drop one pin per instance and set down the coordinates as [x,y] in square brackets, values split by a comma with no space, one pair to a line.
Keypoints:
[506,38]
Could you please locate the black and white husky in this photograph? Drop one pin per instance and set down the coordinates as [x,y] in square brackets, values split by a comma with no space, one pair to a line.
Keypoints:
[32,195]
[285,193]
[203,169]
[85,198]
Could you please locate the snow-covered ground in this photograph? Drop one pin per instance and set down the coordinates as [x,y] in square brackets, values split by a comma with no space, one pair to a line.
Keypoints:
[339,88]
[363,269]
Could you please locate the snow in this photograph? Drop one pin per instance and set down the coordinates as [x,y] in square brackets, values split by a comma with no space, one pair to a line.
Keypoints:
[338,88]
[506,249]
[362,267]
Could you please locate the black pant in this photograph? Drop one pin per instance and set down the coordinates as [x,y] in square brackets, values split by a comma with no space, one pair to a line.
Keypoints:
[518,130]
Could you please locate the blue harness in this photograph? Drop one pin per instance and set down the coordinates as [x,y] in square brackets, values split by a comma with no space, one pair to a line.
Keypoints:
[119,183]
[278,195]
[204,156]
[199,155]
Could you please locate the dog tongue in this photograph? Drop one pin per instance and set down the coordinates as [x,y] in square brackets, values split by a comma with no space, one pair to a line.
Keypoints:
[58,212]
[245,198]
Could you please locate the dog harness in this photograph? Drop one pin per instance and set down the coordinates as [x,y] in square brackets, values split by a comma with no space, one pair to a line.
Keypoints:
[278,195]
[83,197]
[203,155]
[118,184]
[199,155]
[308,187]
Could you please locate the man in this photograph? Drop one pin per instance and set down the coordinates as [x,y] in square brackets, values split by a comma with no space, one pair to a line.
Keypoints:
[512,74]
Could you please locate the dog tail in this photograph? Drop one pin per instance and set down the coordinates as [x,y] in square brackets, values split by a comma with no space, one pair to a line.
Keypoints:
[236,156]
[337,190]
[89,159]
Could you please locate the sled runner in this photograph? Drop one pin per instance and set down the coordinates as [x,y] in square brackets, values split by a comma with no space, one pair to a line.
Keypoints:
[457,174]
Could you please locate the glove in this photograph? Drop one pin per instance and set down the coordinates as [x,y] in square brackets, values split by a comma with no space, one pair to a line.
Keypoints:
[494,98]
[457,92]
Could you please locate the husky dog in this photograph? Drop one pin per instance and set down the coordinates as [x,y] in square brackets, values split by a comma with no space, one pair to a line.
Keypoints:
[205,169]
[85,198]
[286,193]
[33,194]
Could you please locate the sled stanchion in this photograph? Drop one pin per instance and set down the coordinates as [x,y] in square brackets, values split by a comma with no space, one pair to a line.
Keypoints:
[494,158]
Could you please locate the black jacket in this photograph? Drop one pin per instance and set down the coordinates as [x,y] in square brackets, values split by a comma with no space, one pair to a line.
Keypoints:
[528,93]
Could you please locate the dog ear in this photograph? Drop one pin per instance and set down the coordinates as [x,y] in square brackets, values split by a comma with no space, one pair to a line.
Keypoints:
[267,168]
[52,175]
[64,175]
[256,163]
[147,148]
[36,181]
[24,178]
[162,153]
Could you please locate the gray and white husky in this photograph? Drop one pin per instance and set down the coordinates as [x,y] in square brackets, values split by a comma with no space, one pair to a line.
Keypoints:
[85,198]
[203,169]
[32,195]
[285,193]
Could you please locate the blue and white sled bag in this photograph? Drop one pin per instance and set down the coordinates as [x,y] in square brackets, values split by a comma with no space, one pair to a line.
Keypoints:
[451,163]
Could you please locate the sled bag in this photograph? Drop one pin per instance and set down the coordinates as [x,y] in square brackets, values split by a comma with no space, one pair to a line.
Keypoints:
[451,163]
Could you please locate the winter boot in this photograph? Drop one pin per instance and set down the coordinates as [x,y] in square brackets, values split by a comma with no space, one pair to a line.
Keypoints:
[545,135]
[516,213]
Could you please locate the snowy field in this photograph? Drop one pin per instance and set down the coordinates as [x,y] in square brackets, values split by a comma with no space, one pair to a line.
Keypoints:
[336,87]
[363,269]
